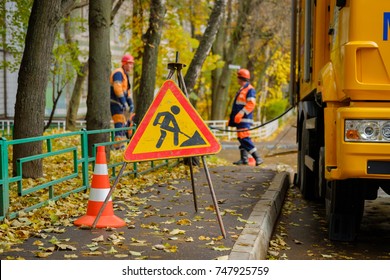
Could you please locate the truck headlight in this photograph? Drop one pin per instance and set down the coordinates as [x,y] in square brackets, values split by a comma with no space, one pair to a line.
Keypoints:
[367,131]
[386,131]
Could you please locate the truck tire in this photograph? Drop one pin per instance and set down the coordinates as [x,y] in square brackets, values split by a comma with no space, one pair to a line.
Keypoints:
[344,205]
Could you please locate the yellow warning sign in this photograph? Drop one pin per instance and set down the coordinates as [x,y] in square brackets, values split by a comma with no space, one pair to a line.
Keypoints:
[171,128]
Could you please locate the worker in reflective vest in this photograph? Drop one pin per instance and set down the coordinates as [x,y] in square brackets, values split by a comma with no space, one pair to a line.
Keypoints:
[121,104]
[241,117]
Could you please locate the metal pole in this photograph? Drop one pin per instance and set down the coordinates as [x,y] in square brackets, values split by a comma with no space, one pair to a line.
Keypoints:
[109,194]
[170,74]
[193,186]
[213,197]
[177,67]
[181,80]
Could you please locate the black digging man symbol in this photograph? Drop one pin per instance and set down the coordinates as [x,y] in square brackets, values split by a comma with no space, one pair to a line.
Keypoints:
[169,124]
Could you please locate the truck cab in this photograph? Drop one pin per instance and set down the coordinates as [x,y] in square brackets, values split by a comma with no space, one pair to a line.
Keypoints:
[341,85]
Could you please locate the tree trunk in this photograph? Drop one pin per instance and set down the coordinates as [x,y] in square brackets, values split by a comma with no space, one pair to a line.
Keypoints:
[220,95]
[74,102]
[149,61]
[137,27]
[32,80]
[204,46]
[219,46]
[98,100]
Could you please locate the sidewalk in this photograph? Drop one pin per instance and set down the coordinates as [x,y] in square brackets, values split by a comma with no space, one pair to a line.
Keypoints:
[162,222]
[279,155]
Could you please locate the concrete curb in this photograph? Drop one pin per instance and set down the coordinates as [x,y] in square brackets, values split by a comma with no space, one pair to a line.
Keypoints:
[253,241]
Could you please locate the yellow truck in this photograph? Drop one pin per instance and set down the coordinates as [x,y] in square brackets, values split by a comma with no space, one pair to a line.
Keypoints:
[341,86]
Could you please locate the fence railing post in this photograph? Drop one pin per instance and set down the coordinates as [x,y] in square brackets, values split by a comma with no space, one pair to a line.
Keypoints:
[84,157]
[4,194]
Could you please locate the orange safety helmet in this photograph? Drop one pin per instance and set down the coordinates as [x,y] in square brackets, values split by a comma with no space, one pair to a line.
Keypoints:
[127,58]
[244,74]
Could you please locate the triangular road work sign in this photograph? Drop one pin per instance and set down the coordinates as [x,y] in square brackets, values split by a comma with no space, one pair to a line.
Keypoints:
[171,128]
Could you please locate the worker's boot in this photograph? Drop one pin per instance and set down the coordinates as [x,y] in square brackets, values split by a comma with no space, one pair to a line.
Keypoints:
[244,158]
[257,158]
[120,145]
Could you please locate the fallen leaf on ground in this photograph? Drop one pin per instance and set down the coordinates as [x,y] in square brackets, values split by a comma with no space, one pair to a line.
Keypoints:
[221,248]
[111,251]
[38,243]
[64,247]
[202,237]
[177,231]
[42,254]
[134,253]
[158,247]
[121,256]
[244,221]
[184,222]
[273,253]
[98,239]
[96,253]
[72,256]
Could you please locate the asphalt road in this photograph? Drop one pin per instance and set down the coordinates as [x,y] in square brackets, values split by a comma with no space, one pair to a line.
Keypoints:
[301,232]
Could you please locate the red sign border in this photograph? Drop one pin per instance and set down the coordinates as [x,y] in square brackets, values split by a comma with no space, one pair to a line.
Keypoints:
[214,147]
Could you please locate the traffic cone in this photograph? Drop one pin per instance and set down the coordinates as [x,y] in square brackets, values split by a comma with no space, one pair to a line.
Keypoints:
[100,187]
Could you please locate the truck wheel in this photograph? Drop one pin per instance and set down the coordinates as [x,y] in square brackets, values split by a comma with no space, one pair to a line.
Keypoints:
[306,176]
[344,210]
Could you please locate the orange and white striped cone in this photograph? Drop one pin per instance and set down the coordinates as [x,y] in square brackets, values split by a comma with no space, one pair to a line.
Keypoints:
[99,190]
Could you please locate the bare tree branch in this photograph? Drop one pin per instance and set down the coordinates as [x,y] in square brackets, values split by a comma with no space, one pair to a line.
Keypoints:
[116,9]
[205,44]
[67,6]
[82,4]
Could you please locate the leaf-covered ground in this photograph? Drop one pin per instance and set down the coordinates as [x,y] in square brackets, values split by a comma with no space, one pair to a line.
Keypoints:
[158,209]
[301,233]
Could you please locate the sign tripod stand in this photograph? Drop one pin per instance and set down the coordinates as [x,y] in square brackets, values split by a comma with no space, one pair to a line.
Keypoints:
[174,67]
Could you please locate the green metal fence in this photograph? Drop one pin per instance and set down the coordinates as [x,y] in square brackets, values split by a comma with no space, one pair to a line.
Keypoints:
[66,166]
